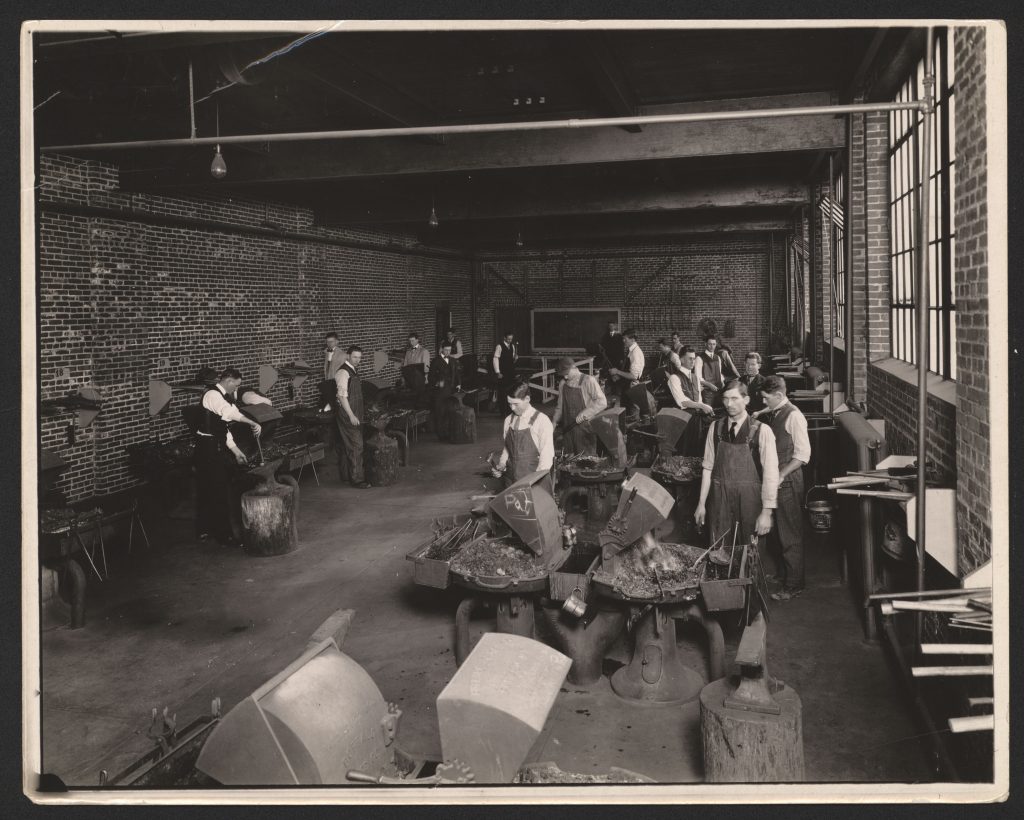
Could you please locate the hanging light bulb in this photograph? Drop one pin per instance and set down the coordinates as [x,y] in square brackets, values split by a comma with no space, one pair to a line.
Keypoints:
[218,168]
[519,239]
[432,222]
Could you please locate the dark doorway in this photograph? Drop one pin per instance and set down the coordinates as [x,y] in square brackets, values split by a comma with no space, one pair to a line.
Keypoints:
[516,320]
[442,321]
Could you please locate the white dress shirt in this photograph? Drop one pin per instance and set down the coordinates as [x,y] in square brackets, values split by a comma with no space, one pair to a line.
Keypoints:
[796,426]
[214,401]
[636,362]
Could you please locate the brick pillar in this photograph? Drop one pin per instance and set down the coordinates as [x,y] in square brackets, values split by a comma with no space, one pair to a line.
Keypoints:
[974,486]
[822,275]
[856,277]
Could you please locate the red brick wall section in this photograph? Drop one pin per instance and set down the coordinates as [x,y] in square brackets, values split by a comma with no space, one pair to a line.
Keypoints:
[891,398]
[974,490]
[660,288]
[122,301]
[857,275]
[876,297]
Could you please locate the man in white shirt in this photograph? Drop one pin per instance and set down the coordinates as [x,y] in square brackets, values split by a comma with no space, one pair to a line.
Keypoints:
[333,358]
[529,443]
[212,462]
[349,420]
[503,362]
[684,384]
[580,398]
[630,378]
[741,473]
[794,450]
[709,369]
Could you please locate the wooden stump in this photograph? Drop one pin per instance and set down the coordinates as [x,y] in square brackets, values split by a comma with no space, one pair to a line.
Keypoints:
[461,424]
[751,747]
[269,514]
[381,459]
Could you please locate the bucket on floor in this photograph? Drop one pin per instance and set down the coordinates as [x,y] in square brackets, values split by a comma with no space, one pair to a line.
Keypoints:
[820,512]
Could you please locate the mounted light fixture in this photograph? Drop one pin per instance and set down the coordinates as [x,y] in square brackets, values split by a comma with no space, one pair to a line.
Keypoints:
[432,222]
[218,168]
[519,238]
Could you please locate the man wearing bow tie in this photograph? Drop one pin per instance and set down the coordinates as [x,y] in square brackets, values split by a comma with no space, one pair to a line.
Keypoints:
[794,451]
[741,473]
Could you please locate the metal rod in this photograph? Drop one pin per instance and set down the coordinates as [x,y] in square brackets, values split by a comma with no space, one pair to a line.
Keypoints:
[922,312]
[832,271]
[490,127]
[848,262]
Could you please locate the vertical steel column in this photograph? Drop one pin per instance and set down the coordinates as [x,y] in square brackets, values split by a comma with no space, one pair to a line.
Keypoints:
[474,271]
[812,290]
[831,289]
[848,252]
[923,303]
[771,287]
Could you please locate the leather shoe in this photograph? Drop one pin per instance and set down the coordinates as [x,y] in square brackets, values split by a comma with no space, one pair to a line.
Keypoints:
[363,485]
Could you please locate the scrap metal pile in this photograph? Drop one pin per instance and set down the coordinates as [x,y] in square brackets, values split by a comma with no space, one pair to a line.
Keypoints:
[451,535]
[499,556]
[59,520]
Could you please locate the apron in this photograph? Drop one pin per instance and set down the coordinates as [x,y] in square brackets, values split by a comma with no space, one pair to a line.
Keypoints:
[523,455]
[735,487]
[578,438]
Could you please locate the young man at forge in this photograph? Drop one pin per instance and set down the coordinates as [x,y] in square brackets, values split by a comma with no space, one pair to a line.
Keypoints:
[741,473]
[528,438]
[580,398]
[416,364]
[686,393]
[627,376]
[754,381]
[794,451]
[446,381]
[349,420]
[214,495]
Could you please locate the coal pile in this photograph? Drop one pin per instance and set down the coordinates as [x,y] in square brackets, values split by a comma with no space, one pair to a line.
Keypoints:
[497,557]
[646,573]
[450,538]
[680,468]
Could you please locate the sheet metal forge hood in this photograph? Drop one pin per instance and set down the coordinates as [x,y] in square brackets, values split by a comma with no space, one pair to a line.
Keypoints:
[530,510]
[606,425]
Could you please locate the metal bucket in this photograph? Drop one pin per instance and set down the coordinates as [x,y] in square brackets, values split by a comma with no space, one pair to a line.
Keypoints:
[820,512]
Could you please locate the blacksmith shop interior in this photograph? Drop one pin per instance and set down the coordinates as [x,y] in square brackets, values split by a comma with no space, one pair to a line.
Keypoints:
[578,405]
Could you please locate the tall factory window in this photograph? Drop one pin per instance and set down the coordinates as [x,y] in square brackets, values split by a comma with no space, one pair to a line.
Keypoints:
[905,173]
[839,285]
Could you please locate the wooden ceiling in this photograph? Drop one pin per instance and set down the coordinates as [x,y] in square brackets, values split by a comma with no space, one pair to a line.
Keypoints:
[101,87]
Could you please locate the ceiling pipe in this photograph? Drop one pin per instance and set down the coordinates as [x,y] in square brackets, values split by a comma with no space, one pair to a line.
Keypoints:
[492,127]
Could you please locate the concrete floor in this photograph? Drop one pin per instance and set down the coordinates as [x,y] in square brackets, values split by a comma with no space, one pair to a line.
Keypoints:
[188,622]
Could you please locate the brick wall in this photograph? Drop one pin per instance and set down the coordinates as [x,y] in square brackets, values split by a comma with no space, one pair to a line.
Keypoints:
[660,288]
[974,490]
[123,300]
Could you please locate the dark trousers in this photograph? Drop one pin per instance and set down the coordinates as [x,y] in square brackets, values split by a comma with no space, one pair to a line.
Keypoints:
[350,452]
[786,538]
[214,494]
[441,412]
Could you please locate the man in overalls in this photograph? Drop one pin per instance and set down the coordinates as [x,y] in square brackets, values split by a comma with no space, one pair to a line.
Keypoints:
[580,398]
[741,473]
[528,437]
[794,448]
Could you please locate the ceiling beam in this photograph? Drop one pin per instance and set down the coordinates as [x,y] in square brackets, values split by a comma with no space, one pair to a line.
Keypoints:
[358,88]
[380,157]
[505,199]
[595,52]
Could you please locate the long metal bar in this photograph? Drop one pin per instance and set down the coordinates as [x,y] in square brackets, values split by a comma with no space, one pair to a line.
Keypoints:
[923,302]
[831,291]
[848,252]
[489,127]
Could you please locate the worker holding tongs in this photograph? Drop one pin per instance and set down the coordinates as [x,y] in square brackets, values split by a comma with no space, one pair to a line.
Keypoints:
[580,398]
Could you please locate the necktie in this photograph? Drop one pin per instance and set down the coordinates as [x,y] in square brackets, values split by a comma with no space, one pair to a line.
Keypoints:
[732,432]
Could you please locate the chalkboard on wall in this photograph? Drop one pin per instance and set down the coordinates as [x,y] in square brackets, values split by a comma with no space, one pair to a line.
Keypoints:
[569,330]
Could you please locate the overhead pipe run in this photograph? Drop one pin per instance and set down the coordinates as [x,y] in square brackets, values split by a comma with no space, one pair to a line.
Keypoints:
[491,127]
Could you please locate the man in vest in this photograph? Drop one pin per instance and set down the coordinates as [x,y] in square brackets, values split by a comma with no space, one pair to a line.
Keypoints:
[333,357]
[528,438]
[668,362]
[754,381]
[580,398]
[627,377]
[741,473]
[350,419]
[794,450]
[709,370]
[506,354]
[445,381]
[686,393]
[213,460]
